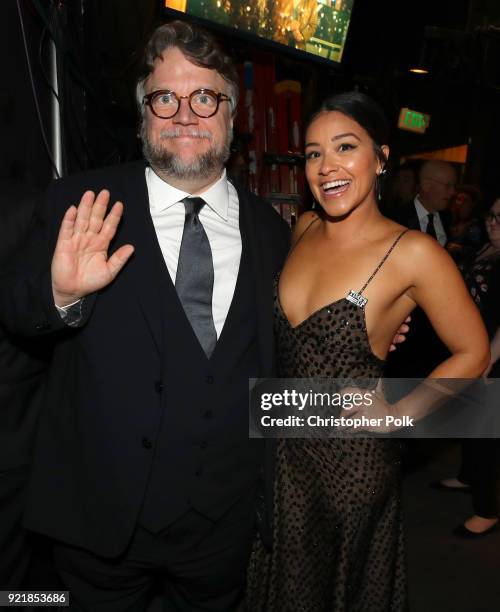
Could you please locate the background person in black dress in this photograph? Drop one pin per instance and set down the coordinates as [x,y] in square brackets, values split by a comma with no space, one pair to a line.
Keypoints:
[479,470]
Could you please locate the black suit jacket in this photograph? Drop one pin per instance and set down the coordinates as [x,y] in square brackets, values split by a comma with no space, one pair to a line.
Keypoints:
[407,216]
[23,362]
[92,465]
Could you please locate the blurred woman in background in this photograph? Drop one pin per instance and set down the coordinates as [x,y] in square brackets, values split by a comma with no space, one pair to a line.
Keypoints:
[478,472]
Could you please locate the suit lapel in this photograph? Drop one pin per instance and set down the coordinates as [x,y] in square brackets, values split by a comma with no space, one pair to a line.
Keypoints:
[259,248]
[146,272]
[413,221]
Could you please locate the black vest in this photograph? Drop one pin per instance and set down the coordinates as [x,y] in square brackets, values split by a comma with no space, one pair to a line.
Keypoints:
[204,459]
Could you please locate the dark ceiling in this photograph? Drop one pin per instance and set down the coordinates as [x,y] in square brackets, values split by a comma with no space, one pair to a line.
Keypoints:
[101,46]
[385,38]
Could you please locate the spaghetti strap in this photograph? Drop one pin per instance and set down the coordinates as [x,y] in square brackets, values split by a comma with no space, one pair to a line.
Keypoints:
[384,259]
[302,235]
[292,248]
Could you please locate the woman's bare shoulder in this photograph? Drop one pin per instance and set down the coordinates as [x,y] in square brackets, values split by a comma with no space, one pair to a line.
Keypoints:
[419,243]
[303,222]
[423,256]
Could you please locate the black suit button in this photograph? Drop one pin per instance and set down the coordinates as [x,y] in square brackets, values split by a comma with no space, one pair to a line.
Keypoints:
[146,442]
[203,445]
[42,326]
[198,472]
[158,386]
[210,380]
[208,414]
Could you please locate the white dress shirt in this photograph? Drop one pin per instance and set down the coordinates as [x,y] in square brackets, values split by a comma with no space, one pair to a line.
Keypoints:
[423,220]
[220,218]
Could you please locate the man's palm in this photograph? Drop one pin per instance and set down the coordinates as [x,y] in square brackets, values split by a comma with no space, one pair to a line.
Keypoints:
[80,264]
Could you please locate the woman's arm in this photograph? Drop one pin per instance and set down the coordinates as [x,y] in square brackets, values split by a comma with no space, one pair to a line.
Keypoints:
[436,285]
[438,288]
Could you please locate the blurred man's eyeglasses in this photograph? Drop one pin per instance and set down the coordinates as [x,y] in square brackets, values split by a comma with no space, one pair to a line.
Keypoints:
[203,102]
[492,217]
[443,183]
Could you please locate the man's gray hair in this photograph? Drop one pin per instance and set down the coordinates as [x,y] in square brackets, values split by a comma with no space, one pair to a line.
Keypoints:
[198,46]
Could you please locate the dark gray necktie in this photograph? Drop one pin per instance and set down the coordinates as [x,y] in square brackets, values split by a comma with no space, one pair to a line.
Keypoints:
[194,281]
[431,230]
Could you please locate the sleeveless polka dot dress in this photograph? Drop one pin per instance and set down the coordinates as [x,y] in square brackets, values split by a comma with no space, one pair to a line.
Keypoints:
[338,538]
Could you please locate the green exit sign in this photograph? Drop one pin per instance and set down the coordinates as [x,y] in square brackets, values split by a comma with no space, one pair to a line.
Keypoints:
[413,121]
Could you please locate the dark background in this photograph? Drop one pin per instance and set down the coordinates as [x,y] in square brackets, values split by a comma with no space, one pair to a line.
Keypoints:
[100,44]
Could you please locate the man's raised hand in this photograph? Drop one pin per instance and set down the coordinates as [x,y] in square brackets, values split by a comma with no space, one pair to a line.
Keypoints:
[80,264]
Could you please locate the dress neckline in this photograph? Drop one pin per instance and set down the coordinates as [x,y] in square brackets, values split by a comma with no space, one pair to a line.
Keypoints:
[318,311]
[326,306]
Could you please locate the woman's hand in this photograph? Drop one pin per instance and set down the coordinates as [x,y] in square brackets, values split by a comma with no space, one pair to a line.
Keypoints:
[378,415]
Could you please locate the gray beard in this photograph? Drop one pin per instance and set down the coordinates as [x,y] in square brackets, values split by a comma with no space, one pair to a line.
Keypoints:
[170,165]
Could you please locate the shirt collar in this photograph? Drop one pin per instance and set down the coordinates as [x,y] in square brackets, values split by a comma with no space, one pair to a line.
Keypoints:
[422,212]
[163,196]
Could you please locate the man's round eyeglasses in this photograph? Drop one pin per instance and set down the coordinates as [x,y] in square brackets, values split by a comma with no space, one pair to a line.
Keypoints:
[203,102]
[492,217]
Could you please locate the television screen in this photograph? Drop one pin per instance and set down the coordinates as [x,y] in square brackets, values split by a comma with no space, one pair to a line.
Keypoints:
[314,26]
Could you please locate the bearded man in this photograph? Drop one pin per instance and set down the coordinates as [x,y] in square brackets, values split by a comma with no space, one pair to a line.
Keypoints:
[161,310]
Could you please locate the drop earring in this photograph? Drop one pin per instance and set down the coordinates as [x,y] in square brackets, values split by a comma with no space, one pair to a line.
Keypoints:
[378,186]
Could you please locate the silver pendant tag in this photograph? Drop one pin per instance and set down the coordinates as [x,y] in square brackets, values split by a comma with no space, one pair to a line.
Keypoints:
[357,299]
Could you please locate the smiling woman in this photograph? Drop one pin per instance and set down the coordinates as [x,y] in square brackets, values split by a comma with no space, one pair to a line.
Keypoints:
[351,278]
[341,161]
[352,147]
